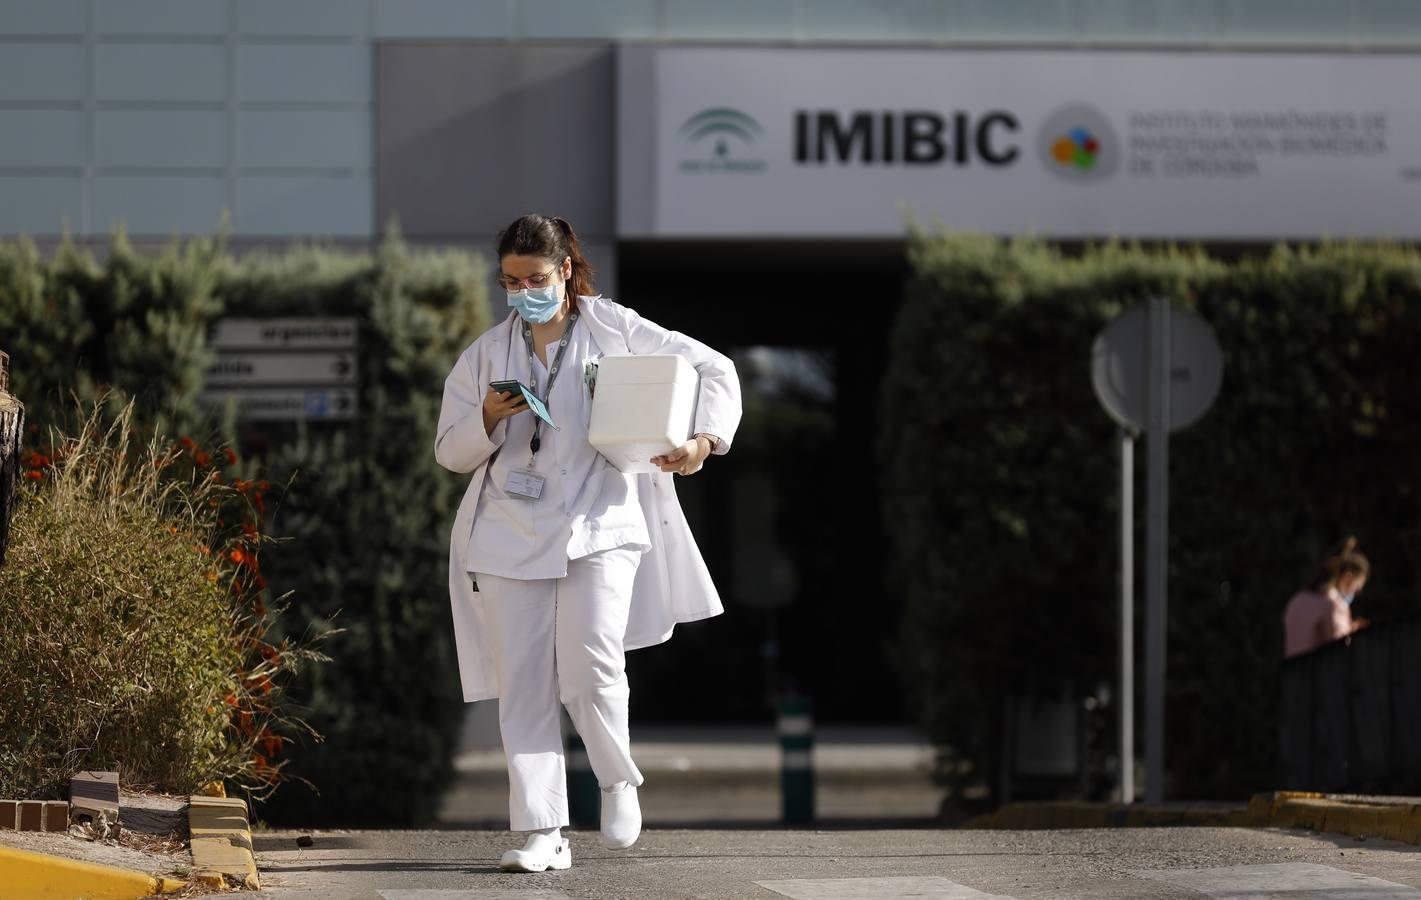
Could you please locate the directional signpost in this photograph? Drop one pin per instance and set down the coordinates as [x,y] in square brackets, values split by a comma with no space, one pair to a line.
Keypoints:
[285,369]
[1154,369]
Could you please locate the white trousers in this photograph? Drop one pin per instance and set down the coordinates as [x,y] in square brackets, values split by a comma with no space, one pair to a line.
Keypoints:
[560,639]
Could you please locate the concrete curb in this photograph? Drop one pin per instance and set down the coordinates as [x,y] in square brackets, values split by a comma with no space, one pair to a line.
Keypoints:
[32,876]
[222,842]
[1393,818]
[1035,816]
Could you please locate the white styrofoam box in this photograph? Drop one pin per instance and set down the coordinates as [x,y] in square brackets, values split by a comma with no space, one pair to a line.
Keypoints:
[644,406]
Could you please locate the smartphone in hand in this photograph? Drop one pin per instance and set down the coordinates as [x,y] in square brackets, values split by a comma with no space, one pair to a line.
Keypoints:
[499,387]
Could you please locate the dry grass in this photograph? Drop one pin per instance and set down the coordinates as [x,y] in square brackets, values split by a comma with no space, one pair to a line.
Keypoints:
[134,620]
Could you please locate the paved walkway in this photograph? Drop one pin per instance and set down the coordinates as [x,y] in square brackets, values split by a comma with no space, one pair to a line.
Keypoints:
[1104,864]
[725,775]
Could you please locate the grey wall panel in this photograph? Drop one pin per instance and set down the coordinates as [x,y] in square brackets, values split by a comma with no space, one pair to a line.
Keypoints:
[160,72]
[42,137]
[728,19]
[470,136]
[297,206]
[444,19]
[161,17]
[1146,20]
[543,19]
[49,17]
[635,141]
[873,20]
[46,72]
[1387,21]
[1007,20]
[160,138]
[159,204]
[303,18]
[288,72]
[40,204]
[1281,21]
[312,138]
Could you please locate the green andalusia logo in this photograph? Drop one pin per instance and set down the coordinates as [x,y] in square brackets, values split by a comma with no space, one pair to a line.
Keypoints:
[724,140]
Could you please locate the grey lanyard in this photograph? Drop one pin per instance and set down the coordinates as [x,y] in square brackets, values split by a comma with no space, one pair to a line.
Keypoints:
[536,442]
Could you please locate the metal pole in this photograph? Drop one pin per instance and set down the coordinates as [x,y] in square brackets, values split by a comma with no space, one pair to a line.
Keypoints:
[1156,548]
[1127,616]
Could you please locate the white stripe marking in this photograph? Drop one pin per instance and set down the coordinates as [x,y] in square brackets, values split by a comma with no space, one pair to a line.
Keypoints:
[1282,880]
[918,888]
[797,759]
[796,725]
[467,894]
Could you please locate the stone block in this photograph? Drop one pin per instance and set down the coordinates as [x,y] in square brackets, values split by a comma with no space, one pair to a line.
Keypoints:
[56,815]
[31,815]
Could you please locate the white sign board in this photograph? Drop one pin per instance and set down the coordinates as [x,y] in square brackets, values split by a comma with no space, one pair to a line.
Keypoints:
[1119,368]
[237,369]
[332,404]
[837,142]
[285,334]
[286,368]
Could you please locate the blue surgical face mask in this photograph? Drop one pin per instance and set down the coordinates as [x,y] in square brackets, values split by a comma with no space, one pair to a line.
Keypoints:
[536,305]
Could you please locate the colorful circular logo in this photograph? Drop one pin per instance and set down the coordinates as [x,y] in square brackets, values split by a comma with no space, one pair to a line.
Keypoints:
[1077,143]
[1079,148]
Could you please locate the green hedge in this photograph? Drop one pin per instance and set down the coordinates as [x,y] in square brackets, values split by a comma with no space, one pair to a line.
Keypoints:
[1001,471]
[367,508]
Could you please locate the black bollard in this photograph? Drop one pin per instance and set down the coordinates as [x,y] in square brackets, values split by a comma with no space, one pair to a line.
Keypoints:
[796,728]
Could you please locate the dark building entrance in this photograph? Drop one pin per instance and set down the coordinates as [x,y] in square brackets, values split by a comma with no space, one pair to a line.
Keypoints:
[790,521]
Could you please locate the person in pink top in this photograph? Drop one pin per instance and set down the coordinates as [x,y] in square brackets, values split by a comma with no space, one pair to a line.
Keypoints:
[1323,612]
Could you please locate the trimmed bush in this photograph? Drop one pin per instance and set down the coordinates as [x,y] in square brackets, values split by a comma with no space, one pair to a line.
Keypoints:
[364,506]
[136,620]
[1000,485]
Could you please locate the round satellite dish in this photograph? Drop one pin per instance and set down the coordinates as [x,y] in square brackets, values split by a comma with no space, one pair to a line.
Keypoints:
[1119,368]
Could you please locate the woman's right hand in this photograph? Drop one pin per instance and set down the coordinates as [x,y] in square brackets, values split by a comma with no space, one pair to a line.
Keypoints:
[500,406]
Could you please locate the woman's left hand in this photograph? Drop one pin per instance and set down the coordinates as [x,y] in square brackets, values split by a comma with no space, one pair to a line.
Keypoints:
[685,459]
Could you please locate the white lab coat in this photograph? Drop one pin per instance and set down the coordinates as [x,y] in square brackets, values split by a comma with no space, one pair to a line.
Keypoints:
[672,582]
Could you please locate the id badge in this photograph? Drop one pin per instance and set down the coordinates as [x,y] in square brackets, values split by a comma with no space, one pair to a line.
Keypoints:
[524,484]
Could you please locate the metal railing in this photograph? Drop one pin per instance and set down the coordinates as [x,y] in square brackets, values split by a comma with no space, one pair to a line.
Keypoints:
[1351,713]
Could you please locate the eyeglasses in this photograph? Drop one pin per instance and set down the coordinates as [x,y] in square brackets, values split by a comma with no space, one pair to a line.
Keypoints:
[509,283]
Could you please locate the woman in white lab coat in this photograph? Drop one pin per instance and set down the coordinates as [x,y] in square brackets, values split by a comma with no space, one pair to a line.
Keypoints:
[575,562]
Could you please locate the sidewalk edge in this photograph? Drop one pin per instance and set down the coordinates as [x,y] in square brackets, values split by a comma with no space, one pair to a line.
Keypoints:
[1392,818]
[222,841]
[25,873]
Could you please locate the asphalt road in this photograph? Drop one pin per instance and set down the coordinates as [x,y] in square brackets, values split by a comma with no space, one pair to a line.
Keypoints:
[1230,863]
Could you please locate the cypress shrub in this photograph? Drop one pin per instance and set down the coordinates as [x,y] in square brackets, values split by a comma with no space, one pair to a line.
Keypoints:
[1000,484]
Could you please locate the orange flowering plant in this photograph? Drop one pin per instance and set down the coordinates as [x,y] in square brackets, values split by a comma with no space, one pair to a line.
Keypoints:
[140,631]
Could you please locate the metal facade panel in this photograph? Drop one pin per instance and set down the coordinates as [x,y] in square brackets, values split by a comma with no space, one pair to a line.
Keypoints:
[159,204]
[160,138]
[301,205]
[165,72]
[304,138]
[42,137]
[303,73]
[470,136]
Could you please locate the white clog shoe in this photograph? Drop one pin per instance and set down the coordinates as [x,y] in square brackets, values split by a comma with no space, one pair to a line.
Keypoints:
[621,818]
[538,856]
